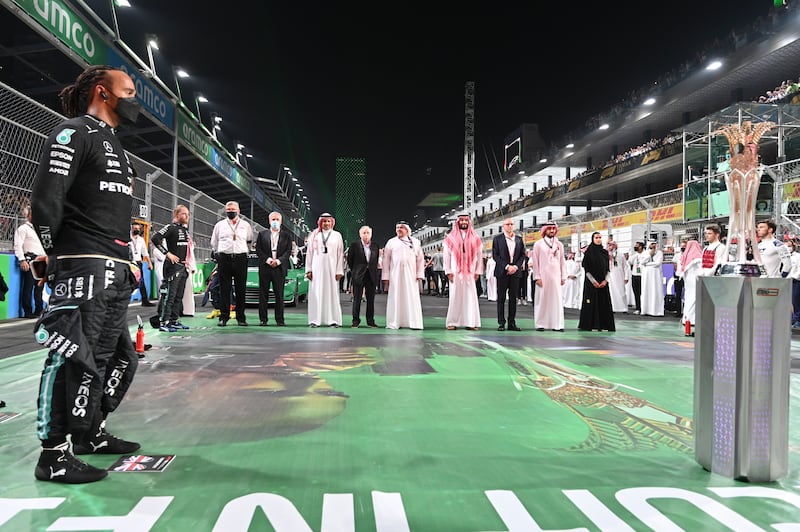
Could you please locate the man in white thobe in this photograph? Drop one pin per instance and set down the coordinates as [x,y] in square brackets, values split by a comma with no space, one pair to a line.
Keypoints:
[403,269]
[324,268]
[652,281]
[573,289]
[619,276]
[462,265]
[550,274]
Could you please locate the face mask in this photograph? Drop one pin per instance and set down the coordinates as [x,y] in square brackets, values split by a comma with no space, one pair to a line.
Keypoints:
[231,214]
[127,110]
[135,232]
[275,224]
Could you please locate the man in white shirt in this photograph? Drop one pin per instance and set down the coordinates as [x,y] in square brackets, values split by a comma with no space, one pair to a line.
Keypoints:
[140,256]
[231,240]
[26,248]
[324,269]
[774,255]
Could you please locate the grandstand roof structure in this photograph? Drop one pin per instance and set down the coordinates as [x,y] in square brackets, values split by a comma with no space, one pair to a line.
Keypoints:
[38,65]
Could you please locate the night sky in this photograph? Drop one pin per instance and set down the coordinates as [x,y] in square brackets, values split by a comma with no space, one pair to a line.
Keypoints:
[301,84]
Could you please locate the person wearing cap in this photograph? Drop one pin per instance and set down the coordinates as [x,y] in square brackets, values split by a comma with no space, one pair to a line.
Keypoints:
[508,252]
[403,269]
[652,281]
[463,263]
[550,274]
[324,269]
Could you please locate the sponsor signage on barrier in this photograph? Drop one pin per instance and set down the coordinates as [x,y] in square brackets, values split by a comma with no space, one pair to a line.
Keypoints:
[198,142]
[79,36]
[152,99]
[70,28]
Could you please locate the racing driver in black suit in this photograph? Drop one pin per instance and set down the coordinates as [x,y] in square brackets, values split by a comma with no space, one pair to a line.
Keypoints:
[81,206]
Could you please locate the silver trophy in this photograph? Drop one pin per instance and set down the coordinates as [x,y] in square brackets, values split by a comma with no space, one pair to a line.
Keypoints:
[742,181]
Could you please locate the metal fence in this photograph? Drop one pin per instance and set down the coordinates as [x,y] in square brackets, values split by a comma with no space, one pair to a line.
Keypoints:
[25,125]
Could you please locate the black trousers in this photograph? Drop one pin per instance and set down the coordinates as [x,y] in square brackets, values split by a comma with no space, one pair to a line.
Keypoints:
[636,286]
[30,285]
[172,287]
[367,288]
[142,284]
[274,278]
[507,286]
[232,271]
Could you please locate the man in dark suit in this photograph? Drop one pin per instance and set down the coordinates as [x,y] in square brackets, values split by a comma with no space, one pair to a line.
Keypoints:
[273,247]
[508,252]
[362,259]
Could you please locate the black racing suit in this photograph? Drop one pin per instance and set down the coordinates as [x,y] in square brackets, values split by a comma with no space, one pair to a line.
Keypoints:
[81,208]
[172,238]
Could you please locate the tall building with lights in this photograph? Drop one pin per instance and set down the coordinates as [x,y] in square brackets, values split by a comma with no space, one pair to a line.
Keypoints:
[351,196]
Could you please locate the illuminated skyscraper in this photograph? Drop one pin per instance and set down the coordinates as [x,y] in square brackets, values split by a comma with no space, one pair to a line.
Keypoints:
[351,196]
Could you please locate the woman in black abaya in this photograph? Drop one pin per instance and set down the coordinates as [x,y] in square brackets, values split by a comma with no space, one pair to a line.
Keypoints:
[596,311]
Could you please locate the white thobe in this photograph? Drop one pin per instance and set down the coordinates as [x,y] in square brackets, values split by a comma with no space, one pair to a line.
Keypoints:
[572,287]
[617,283]
[403,264]
[324,307]
[690,273]
[491,280]
[652,284]
[550,267]
[463,309]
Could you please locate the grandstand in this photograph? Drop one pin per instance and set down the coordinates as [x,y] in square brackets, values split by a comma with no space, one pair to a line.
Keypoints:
[634,171]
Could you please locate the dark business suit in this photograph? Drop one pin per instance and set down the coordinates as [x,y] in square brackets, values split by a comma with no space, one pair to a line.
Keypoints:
[507,284]
[268,275]
[364,276]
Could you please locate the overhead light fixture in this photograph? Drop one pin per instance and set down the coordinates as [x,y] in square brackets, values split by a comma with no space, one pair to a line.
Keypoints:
[649,101]
[571,145]
[181,72]
[604,127]
[542,160]
[714,65]
[152,41]
[491,190]
[202,99]
[505,181]
[122,3]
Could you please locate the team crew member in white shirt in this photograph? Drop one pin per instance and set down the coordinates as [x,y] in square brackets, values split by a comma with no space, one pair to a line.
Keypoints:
[27,247]
[231,240]
[774,255]
[140,256]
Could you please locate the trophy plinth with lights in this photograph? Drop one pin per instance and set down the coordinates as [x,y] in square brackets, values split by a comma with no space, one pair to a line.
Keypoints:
[742,340]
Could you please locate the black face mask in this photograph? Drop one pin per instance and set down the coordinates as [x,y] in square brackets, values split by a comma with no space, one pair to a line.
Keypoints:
[127,110]
[135,232]
[231,214]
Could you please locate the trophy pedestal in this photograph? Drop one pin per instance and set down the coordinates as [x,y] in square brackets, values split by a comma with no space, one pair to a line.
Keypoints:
[741,269]
[741,376]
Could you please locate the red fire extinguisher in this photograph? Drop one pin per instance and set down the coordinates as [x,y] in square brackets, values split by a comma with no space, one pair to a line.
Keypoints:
[140,336]
[688,331]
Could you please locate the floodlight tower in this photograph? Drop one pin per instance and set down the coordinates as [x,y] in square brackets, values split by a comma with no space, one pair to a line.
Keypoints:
[469,145]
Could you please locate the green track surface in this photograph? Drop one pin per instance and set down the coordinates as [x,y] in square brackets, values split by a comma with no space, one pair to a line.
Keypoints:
[367,429]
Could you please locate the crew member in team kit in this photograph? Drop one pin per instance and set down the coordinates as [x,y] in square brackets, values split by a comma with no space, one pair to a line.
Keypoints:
[81,205]
[173,241]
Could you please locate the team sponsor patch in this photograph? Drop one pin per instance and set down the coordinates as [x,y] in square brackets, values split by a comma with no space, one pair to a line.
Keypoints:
[65,137]
[107,145]
[140,463]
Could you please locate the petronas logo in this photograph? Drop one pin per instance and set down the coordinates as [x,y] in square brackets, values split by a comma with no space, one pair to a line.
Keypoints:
[65,137]
[42,335]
